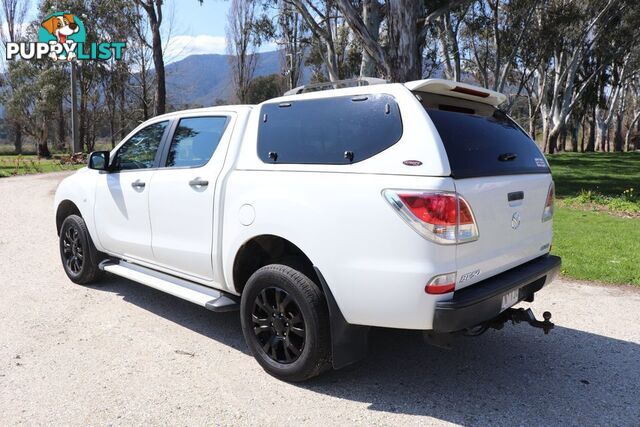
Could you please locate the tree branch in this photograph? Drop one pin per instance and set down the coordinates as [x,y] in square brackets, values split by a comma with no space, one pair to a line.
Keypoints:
[373,47]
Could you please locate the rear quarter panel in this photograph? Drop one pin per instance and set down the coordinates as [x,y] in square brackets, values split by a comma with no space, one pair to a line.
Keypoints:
[374,263]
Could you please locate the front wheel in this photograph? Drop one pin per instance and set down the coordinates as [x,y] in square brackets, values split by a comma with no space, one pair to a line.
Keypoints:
[78,254]
[285,322]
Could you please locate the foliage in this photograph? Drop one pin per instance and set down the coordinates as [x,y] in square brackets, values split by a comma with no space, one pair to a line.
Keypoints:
[626,203]
[571,68]
[265,87]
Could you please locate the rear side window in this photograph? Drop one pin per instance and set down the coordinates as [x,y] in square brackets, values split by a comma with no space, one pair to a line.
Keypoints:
[338,130]
[484,141]
[195,140]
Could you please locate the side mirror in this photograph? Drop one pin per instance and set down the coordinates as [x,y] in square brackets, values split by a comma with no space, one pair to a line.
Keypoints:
[99,160]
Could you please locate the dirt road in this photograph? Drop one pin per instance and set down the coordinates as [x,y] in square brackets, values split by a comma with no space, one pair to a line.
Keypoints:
[121,353]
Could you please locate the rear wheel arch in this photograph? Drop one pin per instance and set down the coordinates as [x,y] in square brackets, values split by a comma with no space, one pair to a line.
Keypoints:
[349,343]
[267,249]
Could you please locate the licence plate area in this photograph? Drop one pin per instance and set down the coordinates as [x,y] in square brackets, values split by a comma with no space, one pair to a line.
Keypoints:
[510,299]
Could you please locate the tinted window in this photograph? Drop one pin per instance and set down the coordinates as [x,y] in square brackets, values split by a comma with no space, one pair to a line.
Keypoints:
[140,150]
[486,144]
[195,140]
[322,130]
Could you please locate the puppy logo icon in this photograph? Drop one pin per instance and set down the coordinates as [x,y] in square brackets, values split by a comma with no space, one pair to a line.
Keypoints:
[65,29]
[62,36]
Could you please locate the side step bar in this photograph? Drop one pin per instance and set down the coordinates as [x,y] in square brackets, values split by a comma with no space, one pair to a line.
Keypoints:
[208,298]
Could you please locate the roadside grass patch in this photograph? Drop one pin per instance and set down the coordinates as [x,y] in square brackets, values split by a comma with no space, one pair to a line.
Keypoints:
[28,164]
[627,204]
[597,246]
[609,174]
[597,219]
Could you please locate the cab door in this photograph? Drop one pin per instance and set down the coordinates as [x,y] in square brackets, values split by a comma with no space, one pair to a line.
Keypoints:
[181,197]
[121,210]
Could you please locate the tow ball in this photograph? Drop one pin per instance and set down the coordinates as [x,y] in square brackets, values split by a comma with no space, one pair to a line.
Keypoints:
[517,315]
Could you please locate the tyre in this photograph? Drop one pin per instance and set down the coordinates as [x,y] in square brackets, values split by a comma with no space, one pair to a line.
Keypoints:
[285,322]
[78,254]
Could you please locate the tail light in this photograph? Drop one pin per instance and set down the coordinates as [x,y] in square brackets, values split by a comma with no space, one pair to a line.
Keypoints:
[442,284]
[547,213]
[441,217]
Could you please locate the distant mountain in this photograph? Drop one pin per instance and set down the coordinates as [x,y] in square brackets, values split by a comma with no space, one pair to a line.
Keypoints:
[203,79]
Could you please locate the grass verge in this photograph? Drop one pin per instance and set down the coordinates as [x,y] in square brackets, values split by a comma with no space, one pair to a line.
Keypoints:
[28,164]
[597,220]
[597,246]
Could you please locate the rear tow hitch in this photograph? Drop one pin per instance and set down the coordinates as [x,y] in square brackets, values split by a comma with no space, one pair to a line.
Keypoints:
[517,315]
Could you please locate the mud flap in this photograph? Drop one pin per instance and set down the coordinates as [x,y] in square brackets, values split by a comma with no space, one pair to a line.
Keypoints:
[349,343]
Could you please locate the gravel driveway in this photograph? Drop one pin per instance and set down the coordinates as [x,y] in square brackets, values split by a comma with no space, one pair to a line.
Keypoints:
[121,353]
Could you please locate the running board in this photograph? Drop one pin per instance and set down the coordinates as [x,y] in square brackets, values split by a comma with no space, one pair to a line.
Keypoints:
[206,297]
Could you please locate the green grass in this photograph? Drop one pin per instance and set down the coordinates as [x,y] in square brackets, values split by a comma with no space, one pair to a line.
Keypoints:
[604,173]
[597,246]
[597,219]
[28,164]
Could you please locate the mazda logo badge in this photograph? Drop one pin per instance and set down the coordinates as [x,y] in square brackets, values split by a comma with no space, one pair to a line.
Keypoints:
[515,220]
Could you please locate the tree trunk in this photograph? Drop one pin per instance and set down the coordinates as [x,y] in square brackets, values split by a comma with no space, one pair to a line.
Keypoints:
[372,17]
[591,141]
[82,129]
[158,62]
[42,148]
[583,128]
[331,62]
[455,49]
[601,130]
[562,146]
[61,126]
[153,8]
[405,59]
[617,136]
[17,138]
[145,97]
[630,132]
[123,118]
[575,138]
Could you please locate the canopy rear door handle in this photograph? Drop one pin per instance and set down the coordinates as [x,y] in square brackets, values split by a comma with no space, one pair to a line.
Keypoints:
[516,195]
[198,182]
[507,157]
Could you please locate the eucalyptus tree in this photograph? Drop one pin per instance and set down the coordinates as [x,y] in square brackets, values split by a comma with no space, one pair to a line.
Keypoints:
[242,42]
[12,19]
[407,23]
[154,18]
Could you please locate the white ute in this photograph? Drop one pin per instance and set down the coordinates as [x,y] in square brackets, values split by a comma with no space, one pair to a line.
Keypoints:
[323,213]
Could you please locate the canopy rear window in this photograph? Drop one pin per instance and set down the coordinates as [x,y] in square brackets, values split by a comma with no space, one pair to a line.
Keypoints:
[481,140]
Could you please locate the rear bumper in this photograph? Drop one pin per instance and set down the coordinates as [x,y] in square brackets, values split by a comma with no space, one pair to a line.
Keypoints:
[483,301]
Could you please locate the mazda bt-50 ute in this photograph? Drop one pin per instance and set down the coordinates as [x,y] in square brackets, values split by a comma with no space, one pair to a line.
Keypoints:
[323,213]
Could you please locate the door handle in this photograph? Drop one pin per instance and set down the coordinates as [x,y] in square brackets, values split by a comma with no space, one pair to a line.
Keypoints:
[138,184]
[198,182]
[516,195]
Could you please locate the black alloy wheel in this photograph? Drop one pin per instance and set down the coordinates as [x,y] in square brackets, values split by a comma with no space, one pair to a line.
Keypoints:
[285,322]
[78,254]
[72,250]
[278,325]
